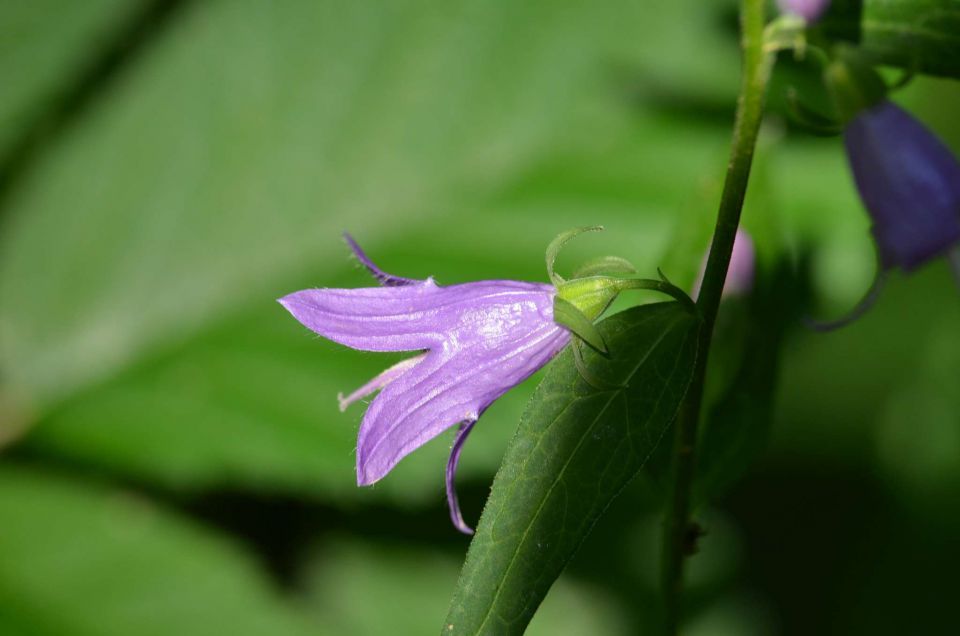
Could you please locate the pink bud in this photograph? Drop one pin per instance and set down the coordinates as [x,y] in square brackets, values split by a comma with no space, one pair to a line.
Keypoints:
[809,10]
[741,271]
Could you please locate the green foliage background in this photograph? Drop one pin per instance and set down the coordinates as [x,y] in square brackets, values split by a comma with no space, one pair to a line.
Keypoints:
[173,460]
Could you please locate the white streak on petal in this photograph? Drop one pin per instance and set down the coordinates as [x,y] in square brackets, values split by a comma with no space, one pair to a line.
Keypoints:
[382,380]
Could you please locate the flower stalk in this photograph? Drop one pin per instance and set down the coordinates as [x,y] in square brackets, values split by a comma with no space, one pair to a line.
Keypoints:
[678,531]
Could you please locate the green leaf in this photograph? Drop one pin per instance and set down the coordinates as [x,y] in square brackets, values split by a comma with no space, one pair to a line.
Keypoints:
[44,46]
[98,561]
[920,35]
[575,449]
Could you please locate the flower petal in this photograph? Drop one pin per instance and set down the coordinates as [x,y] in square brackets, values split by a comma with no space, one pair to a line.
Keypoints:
[409,317]
[489,349]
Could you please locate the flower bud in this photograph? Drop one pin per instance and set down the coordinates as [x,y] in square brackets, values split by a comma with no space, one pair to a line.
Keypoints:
[809,10]
[740,272]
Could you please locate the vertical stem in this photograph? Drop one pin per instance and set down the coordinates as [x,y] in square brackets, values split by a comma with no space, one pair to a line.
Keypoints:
[678,531]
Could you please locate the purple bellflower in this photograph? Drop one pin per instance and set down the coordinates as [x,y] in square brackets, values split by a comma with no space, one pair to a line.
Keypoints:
[473,343]
[908,179]
[909,182]
[809,10]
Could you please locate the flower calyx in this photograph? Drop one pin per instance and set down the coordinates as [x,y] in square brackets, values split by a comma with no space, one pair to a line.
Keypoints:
[580,301]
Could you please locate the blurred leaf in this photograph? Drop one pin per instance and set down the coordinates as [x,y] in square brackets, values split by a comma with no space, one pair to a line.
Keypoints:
[735,429]
[227,160]
[850,369]
[369,590]
[737,614]
[918,434]
[575,449]
[675,72]
[921,35]
[44,46]
[242,395]
[99,561]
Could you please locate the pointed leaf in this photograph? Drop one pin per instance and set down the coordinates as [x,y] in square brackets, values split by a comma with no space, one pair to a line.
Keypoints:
[575,449]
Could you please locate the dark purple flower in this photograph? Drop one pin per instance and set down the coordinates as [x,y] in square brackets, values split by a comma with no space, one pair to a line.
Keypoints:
[809,10]
[909,182]
[475,341]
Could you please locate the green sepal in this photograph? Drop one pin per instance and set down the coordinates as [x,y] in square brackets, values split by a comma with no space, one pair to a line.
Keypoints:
[605,265]
[555,246]
[567,315]
[592,295]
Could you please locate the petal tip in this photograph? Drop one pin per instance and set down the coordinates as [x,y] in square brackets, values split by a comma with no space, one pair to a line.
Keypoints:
[367,472]
[363,479]
[289,300]
[463,528]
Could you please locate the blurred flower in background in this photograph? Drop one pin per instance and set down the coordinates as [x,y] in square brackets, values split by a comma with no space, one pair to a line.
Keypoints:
[909,182]
[809,10]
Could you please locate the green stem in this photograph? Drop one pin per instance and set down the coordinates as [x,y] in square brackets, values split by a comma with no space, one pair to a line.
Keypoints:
[679,532]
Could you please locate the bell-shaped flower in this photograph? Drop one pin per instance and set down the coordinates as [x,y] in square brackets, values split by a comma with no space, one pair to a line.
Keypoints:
[473,342]
[909,182]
